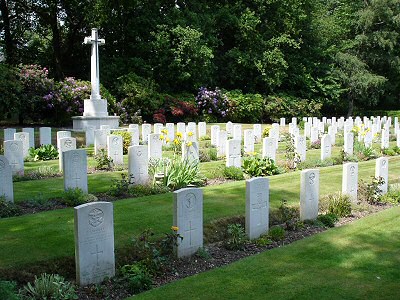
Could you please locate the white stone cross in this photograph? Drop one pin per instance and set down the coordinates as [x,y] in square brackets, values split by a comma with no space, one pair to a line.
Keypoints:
[94,63]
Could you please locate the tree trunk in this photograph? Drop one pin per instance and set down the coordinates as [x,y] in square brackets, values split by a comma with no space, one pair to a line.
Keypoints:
[9,46]
[351,107]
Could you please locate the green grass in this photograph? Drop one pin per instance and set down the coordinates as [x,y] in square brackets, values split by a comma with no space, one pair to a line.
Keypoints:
[357,261]
[49,235]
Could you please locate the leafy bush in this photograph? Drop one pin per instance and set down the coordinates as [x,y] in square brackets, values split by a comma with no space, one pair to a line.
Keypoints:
[256,166]
[287,215]
[236,237]
[44,152]
[75,197]
[214,105]
[8,209]
[316,144]
[126,139]
[370,192]
[39,173]
[10,88]
[50,286]
[363,153]
[246,108]
[276,233]
[286,106]
[180,108]
[120,187]
[392,196]
[138,277]
[233,173]
[8,290]
[103,161]
[328,220]
[292,157]
[208,154]
[337,204]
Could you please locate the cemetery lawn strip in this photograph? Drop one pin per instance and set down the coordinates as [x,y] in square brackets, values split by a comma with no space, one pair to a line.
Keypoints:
[355,261]
[49,235]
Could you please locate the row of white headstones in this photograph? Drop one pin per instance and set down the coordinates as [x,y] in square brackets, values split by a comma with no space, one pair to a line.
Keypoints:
[94,229]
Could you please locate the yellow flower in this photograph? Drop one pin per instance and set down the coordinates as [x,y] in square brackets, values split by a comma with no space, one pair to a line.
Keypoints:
[179,134]
[176,142]
[175,228]
[189,144]
[165,131]
[161,136]
[190,133]
[167,140]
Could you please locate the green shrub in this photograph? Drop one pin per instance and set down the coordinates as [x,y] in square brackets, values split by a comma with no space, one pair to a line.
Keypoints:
[233,173]
[287,215]
[44,152]
[276,233]
[40,173]
[337,204]
[392,196]
[120,187]
[316,144]
[50,286]
[256,166]
[328,220]
[370,192]
[363,153]
[248,108]
[8,209]
[103,161]
[8,290]
[236,238]
[126,139]
[291,155]
[138,277]
[205,138]
[75,197]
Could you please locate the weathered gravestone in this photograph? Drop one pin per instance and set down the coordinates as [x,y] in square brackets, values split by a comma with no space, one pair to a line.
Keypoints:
[75,170]
[107,128]
[9,133]
[385,139]
[257,132]
[60,135]
[94,242]
[115,149]
[138,164]
[214,135]
[89,135]
[309,194]
[350,180]
[31,132]
[190,152]
[6,183]
[45,135]
[314,134]
[257,207]
[24,138]
[382,171]
[66,144]
[146,130]
[221,143]
[332,134]
[155,146]
[181,127]
[282,122]
[233,153]
[14,154]
[248,141]
[237,132]
[348,143]
[202,129]
[191,129]
[135,133]
[100,140]
[229,128]
[188,217]
[171,131]
[157,127]
[269,148]
[326,147]
[301,147]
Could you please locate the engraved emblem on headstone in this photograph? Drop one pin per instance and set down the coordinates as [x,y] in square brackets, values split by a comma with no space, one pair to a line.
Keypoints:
[115,141]
[139,153]
[190,201]
[311,178]
[383,163]
[14,147]
[22,137]
[352,170]
[96,217]
[68,143]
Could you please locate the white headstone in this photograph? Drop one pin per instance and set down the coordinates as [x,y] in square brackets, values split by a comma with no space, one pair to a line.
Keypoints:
[157,127]
[9,133]
[134,126]
[100,140]
[314,134]
[221,141]
[89,135]
[107,128]
[94,242]
[188,217]
[155,146]
[190,152]
[309,194]
[233,153]
[24,138]
[181,127]
[214,134]
[60,135]
[202,128]
[332,134]
[257,207]
[248,141]
[382,170]
[45,135]
[326,147]
[138,164]
[66,144]
[146,130]
[269,148]
[192,128]
[257,131]
[6,183]
[348,143]
[237,132]
[75,170]
[385,139]
[134,131]
[14,153]
[171,131]
[301,147]
[229,128]
[282,122]
[115,149]
[350,180]
[31,132]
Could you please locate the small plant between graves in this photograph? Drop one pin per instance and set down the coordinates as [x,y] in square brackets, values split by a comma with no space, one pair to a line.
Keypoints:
[44,152]
[370,192]
[8,290]
[256,166]
[233,173]
[40,173]
[276,233]
[236,238]
[292,157]
[75,197]
[103,161]
[338,204]
[138,277]
[8,209]
[328,220]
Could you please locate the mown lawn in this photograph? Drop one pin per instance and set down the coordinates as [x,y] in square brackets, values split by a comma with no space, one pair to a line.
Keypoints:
[357,261]
[48,235]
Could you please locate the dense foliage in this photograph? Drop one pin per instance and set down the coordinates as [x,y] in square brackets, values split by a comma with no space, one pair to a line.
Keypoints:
[285,57]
